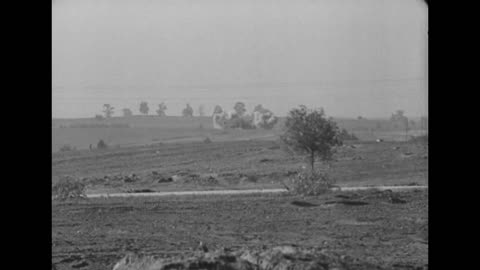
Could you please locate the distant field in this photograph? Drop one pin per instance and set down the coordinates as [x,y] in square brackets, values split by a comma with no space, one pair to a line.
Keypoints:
[144,130]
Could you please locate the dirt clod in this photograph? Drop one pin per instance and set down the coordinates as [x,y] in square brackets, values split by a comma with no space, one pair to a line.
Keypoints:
[80,265]
[303,204]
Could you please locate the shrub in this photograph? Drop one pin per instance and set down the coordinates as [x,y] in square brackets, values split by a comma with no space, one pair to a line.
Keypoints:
[67,148]
[120,125]
[89,125]
[69,188]
[207,140]
[308,183]
[240,122]
[252,178]
[206,179]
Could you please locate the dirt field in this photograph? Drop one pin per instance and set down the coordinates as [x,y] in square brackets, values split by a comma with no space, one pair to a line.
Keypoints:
[95,234]
[387,231]
[241,164]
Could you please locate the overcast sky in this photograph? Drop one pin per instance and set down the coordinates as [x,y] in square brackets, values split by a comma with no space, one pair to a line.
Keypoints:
[351,57]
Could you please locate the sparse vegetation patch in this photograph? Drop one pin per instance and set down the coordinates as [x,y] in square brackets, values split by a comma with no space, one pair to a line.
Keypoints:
[68,188]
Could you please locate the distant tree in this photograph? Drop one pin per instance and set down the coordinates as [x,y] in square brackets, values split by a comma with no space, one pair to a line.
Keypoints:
[161,109]
[188,111]
[201,110]
[144,107]
[99,117]
[127,112]
[263,117]
[309,132]
[102,145]
[108,110]
[218,109]
[258,108]
[240,109]
[399,120]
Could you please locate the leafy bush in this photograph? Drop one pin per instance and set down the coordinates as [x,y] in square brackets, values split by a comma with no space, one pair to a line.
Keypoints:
[308,183]
[69,188]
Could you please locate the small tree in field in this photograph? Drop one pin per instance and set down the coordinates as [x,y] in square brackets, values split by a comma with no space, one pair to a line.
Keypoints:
[310,132]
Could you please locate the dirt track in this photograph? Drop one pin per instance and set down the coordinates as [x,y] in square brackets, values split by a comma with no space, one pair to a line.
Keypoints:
[95,234]
[234,192]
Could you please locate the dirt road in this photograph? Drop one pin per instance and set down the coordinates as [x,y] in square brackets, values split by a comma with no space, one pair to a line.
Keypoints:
[245,191]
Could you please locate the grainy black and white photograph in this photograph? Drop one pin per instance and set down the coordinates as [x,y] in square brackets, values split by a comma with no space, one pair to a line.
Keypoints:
[239,134]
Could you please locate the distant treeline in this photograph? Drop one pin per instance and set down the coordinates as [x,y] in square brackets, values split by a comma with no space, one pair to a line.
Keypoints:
[97,125]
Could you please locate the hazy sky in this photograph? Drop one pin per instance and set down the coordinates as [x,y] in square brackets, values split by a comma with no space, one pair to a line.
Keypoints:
[351,57]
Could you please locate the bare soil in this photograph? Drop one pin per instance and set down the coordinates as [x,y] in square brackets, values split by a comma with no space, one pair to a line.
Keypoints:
[382,228]
[236,165]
